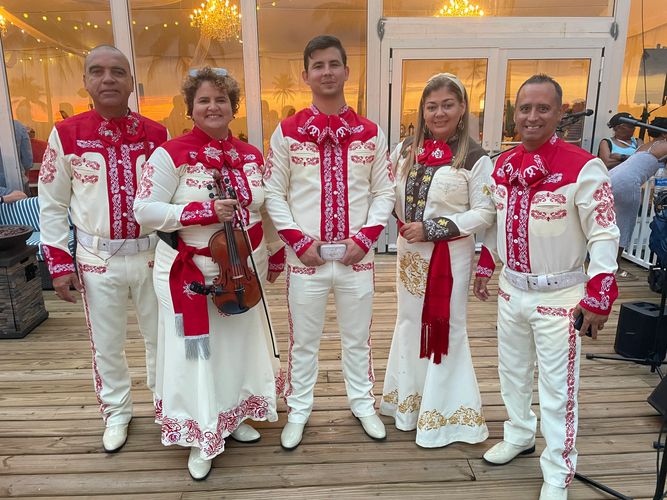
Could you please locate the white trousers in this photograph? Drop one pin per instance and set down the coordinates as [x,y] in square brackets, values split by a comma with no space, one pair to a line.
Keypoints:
[107,280]
[535,326]
[307,292]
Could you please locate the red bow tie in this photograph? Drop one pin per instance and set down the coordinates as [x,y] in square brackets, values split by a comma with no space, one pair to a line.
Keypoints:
[217,154]
[525,168]
[434,153]
[128,128]
[328,127]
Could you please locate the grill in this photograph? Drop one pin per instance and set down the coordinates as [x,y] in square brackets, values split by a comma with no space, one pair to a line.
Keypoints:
[21,300]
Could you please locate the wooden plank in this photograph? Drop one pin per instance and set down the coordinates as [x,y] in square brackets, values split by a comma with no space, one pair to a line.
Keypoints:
[50,428]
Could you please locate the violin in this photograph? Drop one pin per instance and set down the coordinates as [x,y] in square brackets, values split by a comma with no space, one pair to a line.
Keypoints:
[236,288]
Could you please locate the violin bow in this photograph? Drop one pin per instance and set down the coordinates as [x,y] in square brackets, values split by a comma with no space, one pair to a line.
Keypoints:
[239,216]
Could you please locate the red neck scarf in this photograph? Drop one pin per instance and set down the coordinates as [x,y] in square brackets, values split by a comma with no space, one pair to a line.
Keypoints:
[218,153]
[127,129]
[528,168]
[434,153]
[334,128]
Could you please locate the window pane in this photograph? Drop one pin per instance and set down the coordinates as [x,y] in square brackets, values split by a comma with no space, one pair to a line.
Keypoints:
[633,96]
[571,74]
[471,72]
[166,46]
[45,47]
[284,30]
[500,8]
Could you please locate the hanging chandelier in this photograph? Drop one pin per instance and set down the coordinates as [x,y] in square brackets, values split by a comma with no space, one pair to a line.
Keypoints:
[459,8]
[3,25]
[217,19]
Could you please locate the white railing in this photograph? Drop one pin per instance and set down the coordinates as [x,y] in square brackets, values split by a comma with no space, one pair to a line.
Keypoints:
[638,251]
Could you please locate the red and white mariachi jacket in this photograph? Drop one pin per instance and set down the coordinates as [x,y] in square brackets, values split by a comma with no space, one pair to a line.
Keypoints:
[328,178]
[176,189]
[554,205]
[92,166]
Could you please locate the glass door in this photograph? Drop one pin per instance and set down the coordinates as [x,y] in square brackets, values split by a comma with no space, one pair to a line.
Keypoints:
[492,77]
[411,68]
[576,70]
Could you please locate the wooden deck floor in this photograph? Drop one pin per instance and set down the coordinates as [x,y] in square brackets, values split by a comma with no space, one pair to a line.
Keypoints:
[50,429]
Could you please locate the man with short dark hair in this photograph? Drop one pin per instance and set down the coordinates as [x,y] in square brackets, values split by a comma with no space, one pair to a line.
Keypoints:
[554,204]
[329,191]
[92,166]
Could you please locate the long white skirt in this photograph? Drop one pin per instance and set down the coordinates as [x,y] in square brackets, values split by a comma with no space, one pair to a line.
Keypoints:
[441,401]
[199,402]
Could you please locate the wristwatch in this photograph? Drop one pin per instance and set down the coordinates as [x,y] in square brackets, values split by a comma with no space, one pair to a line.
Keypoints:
[2,200]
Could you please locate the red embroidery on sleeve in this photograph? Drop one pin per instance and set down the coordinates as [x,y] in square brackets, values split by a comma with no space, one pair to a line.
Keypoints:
[485,265]
[47,171]
[198,213]
[601,292]
[606,216]
[58,261]
[146,185]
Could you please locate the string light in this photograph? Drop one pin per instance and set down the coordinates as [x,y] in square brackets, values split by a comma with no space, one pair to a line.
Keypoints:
[459,8]
[217,19]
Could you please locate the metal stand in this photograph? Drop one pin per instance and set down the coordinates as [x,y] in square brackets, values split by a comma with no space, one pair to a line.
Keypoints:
[653,359]
[601,486]
[662,474]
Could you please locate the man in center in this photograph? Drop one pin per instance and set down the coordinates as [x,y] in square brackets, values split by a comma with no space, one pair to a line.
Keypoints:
[329,191]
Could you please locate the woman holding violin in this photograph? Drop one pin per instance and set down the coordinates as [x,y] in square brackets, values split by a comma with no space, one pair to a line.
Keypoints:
[217,361]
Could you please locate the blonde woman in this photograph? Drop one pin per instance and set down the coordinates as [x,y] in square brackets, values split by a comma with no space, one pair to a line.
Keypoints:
[430,383]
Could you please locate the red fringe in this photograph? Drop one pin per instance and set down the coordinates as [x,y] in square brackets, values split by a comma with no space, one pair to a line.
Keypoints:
[435,340]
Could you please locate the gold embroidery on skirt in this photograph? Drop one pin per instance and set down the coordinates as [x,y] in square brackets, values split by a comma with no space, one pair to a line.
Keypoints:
[410,404]
[433,419]
[413,271]
[391,398]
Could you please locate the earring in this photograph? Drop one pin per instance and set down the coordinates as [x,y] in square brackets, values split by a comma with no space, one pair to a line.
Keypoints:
[460,124]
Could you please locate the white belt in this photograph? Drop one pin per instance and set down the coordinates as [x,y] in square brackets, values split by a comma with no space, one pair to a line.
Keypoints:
[556,281]
[116,247]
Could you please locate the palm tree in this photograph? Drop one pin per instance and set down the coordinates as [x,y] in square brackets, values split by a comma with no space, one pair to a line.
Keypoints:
[26,92]
[283,83]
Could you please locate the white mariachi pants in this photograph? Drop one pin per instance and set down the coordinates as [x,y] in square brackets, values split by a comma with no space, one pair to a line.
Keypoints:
[107,279]
[535,326]
[307,292]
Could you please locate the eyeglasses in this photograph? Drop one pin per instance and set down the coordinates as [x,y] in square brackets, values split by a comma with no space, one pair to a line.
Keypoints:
[218,71]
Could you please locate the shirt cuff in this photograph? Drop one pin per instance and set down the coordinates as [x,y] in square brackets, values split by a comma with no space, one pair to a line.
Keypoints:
[199,213]
[367,237]
[58,261]
[486,265]
[277,261]
[296,239]
[601,292]
[439,228]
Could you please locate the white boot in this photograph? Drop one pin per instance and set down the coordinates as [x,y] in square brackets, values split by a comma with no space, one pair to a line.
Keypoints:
[199,468]
[245,434]
[551,492]
[291,435]
[504,452]
[373,426]
[114,438]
